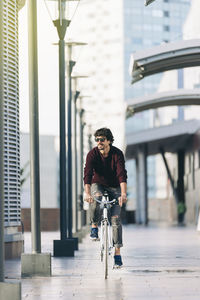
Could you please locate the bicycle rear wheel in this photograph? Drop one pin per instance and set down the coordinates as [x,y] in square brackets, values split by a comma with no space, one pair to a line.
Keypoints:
[105,250]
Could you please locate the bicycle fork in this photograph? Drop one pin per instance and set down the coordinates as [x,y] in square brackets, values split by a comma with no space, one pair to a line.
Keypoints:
[105,219]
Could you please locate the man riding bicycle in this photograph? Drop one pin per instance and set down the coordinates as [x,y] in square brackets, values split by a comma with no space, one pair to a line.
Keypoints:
[105,171]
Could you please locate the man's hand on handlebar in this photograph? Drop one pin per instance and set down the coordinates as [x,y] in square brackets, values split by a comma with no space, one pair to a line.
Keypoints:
[122,199]
[88,198]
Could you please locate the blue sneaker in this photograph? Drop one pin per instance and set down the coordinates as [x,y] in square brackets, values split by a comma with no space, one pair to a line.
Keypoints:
[94,234]
[117,261]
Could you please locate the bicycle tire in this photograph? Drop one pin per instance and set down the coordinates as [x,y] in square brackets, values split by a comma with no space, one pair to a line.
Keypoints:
[101,255]
[105,250]
[102,241]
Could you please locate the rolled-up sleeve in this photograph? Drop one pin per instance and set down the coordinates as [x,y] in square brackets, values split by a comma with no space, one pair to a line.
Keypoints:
[88,170]
[121,170]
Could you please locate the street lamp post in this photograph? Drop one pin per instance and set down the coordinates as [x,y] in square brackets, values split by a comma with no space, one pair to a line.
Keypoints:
[69,144]
[66,245]
[82,124]
[71,195]
[77,201]
[61,28]
[81,146]
[74,163]
[63,247]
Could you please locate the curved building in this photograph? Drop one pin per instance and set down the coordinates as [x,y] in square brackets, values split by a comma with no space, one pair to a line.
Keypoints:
[12,208]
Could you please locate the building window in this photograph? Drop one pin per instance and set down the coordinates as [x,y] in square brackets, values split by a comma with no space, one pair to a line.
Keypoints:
[137,41]
[166,13]
[157,13]
[166,28]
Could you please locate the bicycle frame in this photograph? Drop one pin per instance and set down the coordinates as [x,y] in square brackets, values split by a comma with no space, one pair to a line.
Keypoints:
[105,219]
[106,244]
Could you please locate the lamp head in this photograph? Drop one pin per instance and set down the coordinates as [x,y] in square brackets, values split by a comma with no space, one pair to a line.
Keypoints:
[147,2]
[61,9]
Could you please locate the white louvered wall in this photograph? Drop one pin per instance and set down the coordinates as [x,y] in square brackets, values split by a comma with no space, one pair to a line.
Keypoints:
[11,114]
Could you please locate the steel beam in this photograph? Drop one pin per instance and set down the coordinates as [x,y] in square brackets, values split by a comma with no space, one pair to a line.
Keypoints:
[178,97]
[169,174]
[176,55]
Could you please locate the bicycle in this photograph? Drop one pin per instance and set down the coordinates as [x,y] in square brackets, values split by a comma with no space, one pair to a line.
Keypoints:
[106,244]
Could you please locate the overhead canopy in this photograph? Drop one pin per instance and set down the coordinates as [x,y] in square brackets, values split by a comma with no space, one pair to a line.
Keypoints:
[171,138]
[178,97]
[165,57]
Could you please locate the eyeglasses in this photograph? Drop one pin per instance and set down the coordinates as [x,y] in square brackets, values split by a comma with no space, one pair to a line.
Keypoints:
[99,140]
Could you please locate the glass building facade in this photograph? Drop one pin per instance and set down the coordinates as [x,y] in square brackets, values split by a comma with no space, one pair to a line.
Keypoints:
[114,29]
[146,27]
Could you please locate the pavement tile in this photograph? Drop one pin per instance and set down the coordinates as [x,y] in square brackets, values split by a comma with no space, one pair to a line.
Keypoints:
[159,263]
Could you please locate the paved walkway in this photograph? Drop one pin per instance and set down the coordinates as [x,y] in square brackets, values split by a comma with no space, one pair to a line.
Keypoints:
[159,263]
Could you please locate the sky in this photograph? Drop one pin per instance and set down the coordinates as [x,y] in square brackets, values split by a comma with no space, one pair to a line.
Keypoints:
[47,72]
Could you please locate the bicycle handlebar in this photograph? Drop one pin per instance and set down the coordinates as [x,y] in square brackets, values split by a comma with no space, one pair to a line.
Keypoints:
[105,202]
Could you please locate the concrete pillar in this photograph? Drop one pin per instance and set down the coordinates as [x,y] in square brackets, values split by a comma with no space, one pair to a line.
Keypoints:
[180,186]
[36,264]
[141,190]
[137,212]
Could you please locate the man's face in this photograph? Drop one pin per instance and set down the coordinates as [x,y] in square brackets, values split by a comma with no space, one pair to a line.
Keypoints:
[102,142]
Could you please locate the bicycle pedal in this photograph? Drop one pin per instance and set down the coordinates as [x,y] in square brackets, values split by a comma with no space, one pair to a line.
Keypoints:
[95,239]
[117,267]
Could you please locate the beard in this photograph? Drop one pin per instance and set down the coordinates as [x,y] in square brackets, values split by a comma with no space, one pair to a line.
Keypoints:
[101,147]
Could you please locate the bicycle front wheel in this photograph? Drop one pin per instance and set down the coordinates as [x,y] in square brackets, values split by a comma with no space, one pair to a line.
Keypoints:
[105,250]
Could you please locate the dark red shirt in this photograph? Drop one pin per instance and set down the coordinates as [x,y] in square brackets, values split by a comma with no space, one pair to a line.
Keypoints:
[108,171]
